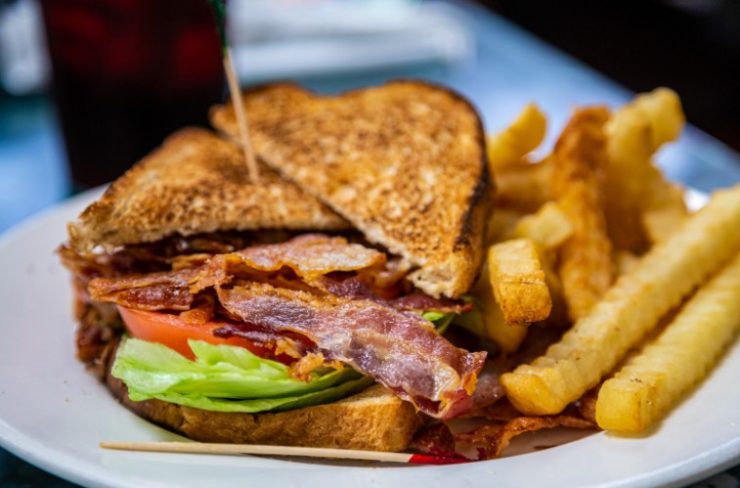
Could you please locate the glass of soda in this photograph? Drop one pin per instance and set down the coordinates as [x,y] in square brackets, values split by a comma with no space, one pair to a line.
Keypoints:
[126,73]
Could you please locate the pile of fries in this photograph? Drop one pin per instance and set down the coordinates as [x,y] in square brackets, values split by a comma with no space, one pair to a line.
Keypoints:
[592,240]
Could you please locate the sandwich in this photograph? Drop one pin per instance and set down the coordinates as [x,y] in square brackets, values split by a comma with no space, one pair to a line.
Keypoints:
[304,309]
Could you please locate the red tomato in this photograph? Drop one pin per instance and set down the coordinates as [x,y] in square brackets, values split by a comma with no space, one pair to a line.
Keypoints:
[173,332]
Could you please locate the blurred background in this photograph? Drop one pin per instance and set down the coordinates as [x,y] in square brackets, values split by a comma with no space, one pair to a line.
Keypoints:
[87,87]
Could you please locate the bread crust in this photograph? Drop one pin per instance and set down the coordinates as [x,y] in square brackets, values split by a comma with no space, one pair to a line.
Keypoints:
[196,182]
[404,162]
[373,419]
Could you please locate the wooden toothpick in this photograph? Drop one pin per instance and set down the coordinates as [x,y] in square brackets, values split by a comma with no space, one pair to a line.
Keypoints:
[219,12]
[282,451]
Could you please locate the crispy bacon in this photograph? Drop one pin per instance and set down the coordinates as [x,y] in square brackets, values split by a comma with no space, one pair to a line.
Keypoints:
[358,288]
[423,303]
[491,440]
[489,390]
[288,343]
[175,252]
[398,349]
[311,256]
[436,439]
[153,291]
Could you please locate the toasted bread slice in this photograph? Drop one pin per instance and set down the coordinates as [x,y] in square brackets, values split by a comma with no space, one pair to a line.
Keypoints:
[196,182]
[373,419]
[404,162]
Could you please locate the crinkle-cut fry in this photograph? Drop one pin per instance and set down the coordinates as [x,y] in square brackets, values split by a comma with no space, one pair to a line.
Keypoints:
[652,382]
[508,147]
[525,188]
[629,310]
[586,269]
[518,281]
[662,107]
[549,227]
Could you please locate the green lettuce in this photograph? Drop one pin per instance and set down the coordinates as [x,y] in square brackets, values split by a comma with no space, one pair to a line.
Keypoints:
[440,320]
[225,378]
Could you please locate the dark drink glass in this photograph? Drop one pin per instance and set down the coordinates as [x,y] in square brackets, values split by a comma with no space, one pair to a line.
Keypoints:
[126,73]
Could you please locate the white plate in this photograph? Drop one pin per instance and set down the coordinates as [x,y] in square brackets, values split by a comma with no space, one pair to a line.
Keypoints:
[53,414]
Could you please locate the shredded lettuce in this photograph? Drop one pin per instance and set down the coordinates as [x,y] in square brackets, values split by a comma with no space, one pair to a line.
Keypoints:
[224,378]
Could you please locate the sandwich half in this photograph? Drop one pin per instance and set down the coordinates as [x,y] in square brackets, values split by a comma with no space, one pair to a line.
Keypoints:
[235,312]
[404,162]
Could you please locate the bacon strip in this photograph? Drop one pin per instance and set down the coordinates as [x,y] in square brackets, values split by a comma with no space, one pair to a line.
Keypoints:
[424,303]
[491,440]
[311,256]
[153,291]
[398,349]
[357,288]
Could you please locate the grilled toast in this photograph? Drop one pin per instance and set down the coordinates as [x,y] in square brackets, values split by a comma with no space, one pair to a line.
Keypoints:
[404,162]
[196,182]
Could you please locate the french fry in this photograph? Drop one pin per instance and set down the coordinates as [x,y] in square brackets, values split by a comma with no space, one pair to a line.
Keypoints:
[662,107]
[627,170]
[625,261]
[508,147]
[559,314]
[652,382]
[660,223]
[585,258]
[518,282]
[665,212]
[549,227]
[629,310]
[525,188]
[634,133]
[487,320]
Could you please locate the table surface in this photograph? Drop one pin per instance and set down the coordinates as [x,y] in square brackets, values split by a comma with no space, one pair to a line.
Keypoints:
[509,68]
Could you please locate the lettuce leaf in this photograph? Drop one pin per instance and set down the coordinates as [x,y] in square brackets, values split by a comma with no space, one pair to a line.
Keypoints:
[261,404]
[224,378]
[440,320]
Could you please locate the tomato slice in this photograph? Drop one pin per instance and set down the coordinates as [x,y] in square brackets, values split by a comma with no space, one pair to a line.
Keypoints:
[173,332]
